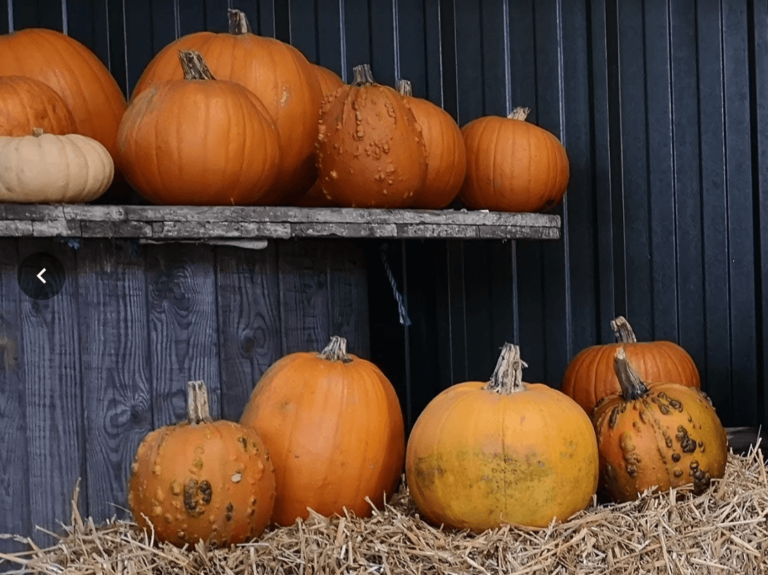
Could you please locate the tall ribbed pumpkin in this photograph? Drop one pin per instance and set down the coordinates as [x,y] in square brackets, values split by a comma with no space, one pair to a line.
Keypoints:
[27,104]
[334,429]
[277,73]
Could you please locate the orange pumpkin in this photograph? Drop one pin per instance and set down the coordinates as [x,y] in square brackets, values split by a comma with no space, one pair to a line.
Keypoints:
[446,156]
[486,453]
[513,165]
[334,429]
[27,104]
[591,374]
[202,480]
[75,73]
[199,141]
[371,153]
[329,80]
[277,73]
[659,435]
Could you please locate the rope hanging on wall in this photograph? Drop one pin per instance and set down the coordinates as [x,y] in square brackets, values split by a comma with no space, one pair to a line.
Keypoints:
[403,313]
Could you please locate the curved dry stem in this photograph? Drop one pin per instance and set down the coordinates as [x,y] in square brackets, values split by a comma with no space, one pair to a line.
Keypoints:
[404,87]
[507,378]
[336,350]
[623,331]
[519,113]
[362,75]
[198,409]
[632,385]
[194,66]
[37,132]
[238,22]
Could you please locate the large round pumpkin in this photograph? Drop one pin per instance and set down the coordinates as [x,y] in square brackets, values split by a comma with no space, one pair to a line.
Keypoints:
[446,156]
[334,429]
[591,374]
[659,435]
[329,80]
[277,73]
[512,165]
[202,480]
[486,453]
[199,141]
[371,153]
[26,104]
[75,73]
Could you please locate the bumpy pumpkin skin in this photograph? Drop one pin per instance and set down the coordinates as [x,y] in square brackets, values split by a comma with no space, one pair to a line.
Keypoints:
[334,430]
[477,459]
[668,437]
[26,104]
[590,376]
[370,153]
[512,165]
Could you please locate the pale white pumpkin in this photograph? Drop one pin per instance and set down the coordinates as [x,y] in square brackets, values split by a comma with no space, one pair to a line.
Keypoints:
[49,169]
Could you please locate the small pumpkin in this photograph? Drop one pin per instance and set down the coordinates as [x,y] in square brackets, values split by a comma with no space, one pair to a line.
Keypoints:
[591,374]
[661,435]
[26,104]
[199,141]
[202,479]
[46,168]
[513,165]
[504,451]
[446,156]
[334,429]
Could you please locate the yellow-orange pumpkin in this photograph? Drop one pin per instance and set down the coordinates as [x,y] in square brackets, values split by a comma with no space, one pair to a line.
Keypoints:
[334,429]
[591,374]
[27,104]
[486,453]
[202,479]
[329,80]
[659,435]
[512,165]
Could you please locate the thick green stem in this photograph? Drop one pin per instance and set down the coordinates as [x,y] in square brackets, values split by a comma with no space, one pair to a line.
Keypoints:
[507,378]
[194,66]
[336,350]
[404,87]
[519,114]
[632,386]
[238,22]
[623,331]
[198,409]
[362,75]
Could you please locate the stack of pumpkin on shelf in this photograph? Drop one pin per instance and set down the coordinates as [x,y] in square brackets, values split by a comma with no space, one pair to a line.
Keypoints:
[238,119]
[324,431]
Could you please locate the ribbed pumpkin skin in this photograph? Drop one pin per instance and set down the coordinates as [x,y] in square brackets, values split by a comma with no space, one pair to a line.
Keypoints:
[329,80]
[26,104]
[75,73]
[199,142]
[512,166]
[334,432]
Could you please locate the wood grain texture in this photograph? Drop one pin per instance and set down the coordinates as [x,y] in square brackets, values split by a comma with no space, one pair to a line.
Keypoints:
[115,369]
[183,329]
[348,295]
[247,289]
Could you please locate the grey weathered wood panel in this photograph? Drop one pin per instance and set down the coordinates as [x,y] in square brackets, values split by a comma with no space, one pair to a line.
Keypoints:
[348,296]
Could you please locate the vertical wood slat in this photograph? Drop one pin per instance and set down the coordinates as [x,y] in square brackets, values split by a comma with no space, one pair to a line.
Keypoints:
[5,24]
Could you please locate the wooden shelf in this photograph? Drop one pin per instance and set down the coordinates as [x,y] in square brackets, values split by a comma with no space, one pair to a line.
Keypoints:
[189,223]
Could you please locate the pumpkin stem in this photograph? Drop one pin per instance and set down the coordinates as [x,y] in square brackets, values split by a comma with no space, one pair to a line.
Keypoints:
[519,113]
[363,75]
[198,409]
[623,331]
[238,22]
[404,87]
[194,66]
[336,350]
[632,386]
[507,378]
[37,132]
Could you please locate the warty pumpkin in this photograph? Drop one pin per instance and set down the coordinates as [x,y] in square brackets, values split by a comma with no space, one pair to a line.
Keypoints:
[277,73]
[199,141]
[659,435]
[370,153]
[591,374]
[202,479]
[446,156]
[334,429]
[75,73]
[486,453]
[26,104]
[45,168]
[513,165]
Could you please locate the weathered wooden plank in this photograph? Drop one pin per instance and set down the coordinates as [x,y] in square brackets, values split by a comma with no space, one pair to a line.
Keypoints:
[14,464]
[345,230]
[348,295]
[183,327]
[249,321]
[220,230]
[115,369]
[99,229]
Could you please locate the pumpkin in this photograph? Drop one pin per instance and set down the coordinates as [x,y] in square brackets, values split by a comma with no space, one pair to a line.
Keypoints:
[504,451]
[512,165]
[75,73]
[315,198]
[202,479]
[370,150]
[199,141]
[46,168]
[277,73]
[26,104]
[328,79]
[334,429]
[660,435]
[446,156]
[591,374]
